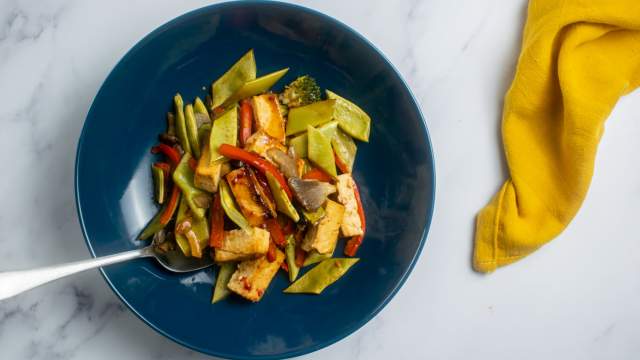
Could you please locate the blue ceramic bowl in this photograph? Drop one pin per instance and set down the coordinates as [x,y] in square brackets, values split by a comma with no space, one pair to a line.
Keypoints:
[114,187]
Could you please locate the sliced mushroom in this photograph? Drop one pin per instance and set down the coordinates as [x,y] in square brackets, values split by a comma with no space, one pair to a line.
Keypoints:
[311,194]
[286,163]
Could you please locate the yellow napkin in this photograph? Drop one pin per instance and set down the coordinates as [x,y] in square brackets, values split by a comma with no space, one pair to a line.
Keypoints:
[578,57]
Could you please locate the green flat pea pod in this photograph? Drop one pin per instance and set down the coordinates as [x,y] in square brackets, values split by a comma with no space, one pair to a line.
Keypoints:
[231,81]
[183,178]
[255,87]
[192,130]
[198,106]
[314,114]
[329,129]
[199,226]
[299,144]
[315,257]
[221,290]
[283,204]
[181,125]
[353,120]
[155,225]
[290,252]
[158,181]
[223,131]
[345,148]
[321,276]
[314,216]
[230,208]
[320,152]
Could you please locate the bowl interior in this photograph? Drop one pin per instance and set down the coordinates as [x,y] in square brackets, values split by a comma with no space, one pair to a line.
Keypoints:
[114,186]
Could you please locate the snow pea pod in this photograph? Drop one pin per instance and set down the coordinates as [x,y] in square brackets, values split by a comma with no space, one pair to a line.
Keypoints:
[200,228]
[198,107]
[315,257]
[224,275]
[181,125]
[314,114]
[231,81]
[158,181]
[321,276]
[192,130]
[223,131]
[353,120]
[283,204]
[314,216]
[290,252]
[345,148]
[183,178]
[320,152]
[230,208]
[255,87]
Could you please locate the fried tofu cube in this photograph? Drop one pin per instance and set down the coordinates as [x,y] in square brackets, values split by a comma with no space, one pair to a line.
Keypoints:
[207,176]
[252,278]
[351,225]
[247,197]
[260,143]
[266,110]
[242,245]
[323,236]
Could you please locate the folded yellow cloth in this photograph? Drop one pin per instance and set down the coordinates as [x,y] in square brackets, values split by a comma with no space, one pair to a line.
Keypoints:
[578,57]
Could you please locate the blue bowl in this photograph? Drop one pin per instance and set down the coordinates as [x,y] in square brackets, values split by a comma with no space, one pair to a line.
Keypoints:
[114,187]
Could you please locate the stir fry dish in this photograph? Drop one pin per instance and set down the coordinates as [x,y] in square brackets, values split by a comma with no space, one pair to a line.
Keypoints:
[261,181]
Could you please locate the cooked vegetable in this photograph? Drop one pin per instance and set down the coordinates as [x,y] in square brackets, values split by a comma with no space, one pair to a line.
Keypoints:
[200,108]
[302,91]
[158,181]
[163,216]
[230,208]
[320,152]
[246,121]
[321,276]
[168,151]
[183,177]
[181,125]
[192,233]
[351,225]
[223,131]
[243,245]
[323,236]
[314,216]
[276,232]
[299,145]
[311,194]
[354,243]
[344,149]
[286,163]
[290,253]
[353,120]
[314,114]
[216,223]
[171,124]
[268,116]
[317,174]
[224,275]
[246,197]
[252,278]
[192,130]
[283,204]
[231,81]
[255,87]
[314,257]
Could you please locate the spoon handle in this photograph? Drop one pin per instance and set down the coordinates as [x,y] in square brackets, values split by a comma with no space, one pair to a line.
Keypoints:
[15,282]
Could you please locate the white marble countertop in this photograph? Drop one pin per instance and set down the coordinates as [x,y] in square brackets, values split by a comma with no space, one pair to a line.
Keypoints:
[576,298]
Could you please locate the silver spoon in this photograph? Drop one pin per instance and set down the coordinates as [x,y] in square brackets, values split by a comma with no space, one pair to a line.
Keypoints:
[15,282]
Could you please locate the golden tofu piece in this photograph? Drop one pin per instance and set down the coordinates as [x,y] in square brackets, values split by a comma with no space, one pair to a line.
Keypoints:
[260,143]
[266,110]
[351,225]
[246,197]
[241,245]
[323,236]
[207,176]
[252,278]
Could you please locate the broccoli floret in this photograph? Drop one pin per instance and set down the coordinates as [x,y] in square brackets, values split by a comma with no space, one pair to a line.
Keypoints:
[302,91]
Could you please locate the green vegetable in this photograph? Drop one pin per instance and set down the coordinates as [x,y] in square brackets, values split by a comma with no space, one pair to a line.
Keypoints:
[155,225]
[198,107]
[314,114]
[329,129]
[314,216]
[321,276]
[299,144]
[199,226]
[345,148]
[255,87]
[223,131]
[290,252]
[158,181]
[230,82]
[183,178]
[353,120]
[320,152]
[283,204]
[301,91]
[230,208]
[224,275]
[315,257]
[181,125]
[192,130]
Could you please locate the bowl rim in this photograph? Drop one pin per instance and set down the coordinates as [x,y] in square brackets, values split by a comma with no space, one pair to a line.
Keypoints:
[425,132]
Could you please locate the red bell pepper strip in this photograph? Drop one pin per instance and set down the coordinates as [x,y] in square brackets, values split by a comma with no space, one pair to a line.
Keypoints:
[257,162]
[271,253]
[354,243]
[288,228]
[216,233]
[166,168]
[284,266]
[218,111]
[172,205]
[167,150]
[193,164]
[301,255]
[246,121]
[317,174]
[341,166]
[276,232]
